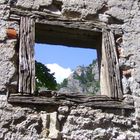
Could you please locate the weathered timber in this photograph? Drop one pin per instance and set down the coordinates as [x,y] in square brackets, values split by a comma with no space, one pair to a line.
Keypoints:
[82,98]
[94,101]
[26,56]
[109,71]
[35,14]
[53,19]
[67,33]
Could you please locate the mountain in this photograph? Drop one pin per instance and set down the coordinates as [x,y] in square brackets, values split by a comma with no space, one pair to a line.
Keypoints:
[83,80]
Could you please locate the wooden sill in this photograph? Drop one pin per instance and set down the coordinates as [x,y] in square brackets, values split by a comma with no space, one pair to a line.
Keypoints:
[97,101]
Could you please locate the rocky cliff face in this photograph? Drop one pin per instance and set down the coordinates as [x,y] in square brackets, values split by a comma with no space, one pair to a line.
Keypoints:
[83,80]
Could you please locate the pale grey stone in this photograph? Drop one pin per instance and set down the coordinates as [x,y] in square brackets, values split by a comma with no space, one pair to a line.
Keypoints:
[3,1]
[61,117]
[119,13]
[63,110]
[4,12]
[104,18]
[25,3]
[44,117]
[2,30]
[137,111]
[123,4]
[54,127]
[121,137]
[136,135]
[3,101]
[126,85]
[88,8]
[128,99]
[7,69]
[45,3]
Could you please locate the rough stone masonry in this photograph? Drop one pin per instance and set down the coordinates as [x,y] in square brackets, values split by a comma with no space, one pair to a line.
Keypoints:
[28,122]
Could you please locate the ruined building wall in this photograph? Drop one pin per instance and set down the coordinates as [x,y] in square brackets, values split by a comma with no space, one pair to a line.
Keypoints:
[29,122]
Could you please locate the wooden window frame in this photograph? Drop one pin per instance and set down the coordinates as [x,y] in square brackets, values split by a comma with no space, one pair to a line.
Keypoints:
[110,81]
[26,83]
[111,98]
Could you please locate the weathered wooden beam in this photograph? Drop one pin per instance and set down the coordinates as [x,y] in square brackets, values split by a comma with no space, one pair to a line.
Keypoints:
[109,69]
[53,19]
[41,14]
[26,56]
[97,102]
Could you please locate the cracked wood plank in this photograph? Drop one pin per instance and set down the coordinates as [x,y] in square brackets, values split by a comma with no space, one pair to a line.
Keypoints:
[26,56]
[53,19]
[93,101]
[109,71]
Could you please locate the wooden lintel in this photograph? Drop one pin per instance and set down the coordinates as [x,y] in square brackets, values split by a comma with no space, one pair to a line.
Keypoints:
[54,19]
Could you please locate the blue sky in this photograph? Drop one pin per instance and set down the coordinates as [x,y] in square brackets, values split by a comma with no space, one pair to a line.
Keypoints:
[63,60]
[67,57]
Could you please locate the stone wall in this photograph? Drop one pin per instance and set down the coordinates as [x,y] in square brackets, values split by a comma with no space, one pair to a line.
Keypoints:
[77,122]
[31,122]
[8,51]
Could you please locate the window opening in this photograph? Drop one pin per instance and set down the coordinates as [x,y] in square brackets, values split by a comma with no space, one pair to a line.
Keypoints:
[75,69]
[50,33]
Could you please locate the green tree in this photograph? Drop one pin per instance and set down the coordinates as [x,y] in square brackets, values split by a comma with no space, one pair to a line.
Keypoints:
[63,84]
[44,78]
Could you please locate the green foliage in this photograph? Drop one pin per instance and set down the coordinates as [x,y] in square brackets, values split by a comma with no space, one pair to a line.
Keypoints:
[94,62]
[63,84]
[81,78]
[87,77]
[90,94]
[44,78]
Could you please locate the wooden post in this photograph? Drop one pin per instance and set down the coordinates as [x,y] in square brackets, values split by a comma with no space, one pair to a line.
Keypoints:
[26,56]
[109,71]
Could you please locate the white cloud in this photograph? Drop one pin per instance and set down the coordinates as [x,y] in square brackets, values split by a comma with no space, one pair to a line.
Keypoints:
[60,72]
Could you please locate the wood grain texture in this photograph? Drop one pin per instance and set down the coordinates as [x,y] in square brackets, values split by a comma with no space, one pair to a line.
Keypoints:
[53,19]
[109,67]
[26,56]
[70,100]
[110,74]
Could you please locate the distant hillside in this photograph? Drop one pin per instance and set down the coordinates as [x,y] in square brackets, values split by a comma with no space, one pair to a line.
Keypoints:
[84,80]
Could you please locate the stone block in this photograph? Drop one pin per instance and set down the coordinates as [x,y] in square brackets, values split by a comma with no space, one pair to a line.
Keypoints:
[128,99]
[7,71]
[63,110]
[25,4]
[54,127]
[38,4]
[4,12]
[2,30]
[3,101]
[3,1]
